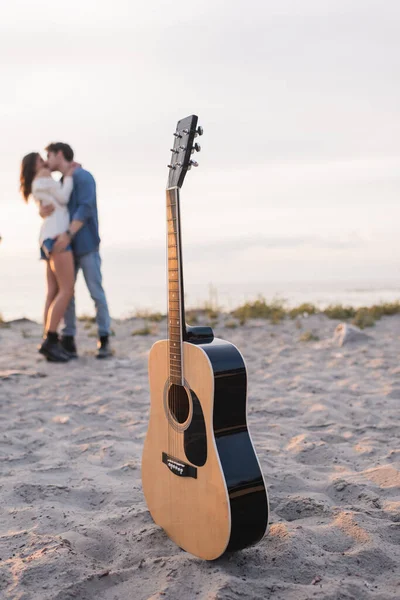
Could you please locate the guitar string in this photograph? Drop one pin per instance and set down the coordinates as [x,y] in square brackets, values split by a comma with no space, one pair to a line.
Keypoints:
[168,332]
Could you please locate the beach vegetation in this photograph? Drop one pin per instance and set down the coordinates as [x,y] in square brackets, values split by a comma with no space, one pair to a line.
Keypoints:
[304,309]
[146,330]
[192,316]
[87,319]
[363,318]
[308,336]
[260,309]
[340,312]
[154,317]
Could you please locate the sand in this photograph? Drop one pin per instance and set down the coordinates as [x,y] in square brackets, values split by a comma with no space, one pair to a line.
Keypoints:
[324,420]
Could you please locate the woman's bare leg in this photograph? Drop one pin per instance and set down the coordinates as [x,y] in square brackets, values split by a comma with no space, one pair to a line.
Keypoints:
[62,266]
[52,291]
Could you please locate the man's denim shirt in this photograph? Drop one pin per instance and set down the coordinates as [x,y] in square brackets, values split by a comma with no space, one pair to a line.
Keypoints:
[82,206]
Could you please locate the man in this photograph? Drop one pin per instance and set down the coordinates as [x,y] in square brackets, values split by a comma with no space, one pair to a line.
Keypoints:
[83,234]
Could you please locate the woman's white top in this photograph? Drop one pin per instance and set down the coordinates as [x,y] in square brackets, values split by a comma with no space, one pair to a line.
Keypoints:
[45,191]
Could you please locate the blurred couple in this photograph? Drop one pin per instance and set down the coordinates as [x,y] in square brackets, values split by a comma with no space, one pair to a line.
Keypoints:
[69,241]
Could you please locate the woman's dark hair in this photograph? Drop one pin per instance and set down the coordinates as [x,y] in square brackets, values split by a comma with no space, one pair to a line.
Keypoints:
[28,172]
[65,149]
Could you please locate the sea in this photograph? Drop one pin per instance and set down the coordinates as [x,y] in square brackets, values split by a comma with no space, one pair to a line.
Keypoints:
[131,289]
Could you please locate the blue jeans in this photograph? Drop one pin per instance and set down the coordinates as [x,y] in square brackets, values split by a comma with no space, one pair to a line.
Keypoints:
[91,268]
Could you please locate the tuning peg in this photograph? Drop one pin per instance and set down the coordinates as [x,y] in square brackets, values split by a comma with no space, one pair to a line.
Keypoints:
[186,131]
[196,148]
[199,131]
[182,148]
[171,167]
[177,134]
[193,163]
[174,151]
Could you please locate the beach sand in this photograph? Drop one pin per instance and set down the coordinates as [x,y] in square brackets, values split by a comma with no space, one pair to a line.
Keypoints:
[324,420]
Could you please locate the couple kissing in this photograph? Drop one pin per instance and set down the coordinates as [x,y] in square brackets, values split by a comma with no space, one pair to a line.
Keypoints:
[69,241]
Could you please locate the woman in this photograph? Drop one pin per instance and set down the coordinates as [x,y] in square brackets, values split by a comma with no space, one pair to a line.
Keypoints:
[36,180]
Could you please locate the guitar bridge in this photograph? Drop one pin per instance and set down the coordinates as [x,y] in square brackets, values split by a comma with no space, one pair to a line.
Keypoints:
[178,467]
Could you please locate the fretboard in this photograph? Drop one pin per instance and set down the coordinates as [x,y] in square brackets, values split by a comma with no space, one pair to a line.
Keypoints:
[175,288]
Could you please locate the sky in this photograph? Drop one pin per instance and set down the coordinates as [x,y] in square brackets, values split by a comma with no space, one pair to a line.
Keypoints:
[300,103]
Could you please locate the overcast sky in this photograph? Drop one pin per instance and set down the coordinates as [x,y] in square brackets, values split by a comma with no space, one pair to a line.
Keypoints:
[300,104]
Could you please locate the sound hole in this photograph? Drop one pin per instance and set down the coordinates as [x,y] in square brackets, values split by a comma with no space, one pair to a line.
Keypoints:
[178,403]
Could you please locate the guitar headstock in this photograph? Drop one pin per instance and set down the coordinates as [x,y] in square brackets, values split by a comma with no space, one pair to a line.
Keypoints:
[184,147]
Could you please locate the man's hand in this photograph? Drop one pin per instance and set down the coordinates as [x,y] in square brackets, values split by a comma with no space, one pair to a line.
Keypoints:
[46,211]
[62,241]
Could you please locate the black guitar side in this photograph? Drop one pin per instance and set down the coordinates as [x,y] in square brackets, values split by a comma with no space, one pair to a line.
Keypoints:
[245,484]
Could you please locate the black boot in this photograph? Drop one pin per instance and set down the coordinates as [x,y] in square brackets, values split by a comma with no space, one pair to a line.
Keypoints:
[69,346]
[103,347]
[52,350]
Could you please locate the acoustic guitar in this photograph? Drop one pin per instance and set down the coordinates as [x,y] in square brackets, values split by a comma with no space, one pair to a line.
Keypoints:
[201,477]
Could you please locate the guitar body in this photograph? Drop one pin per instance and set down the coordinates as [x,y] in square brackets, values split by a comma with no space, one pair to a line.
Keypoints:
[225,506]
[201,478]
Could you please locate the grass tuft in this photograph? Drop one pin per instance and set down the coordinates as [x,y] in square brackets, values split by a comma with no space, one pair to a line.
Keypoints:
[146,330]
[87,319]
[260,309]
[154,317]
[304,309]
[308,336]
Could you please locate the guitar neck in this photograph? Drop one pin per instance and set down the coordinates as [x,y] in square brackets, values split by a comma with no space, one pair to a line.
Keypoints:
[176,310]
